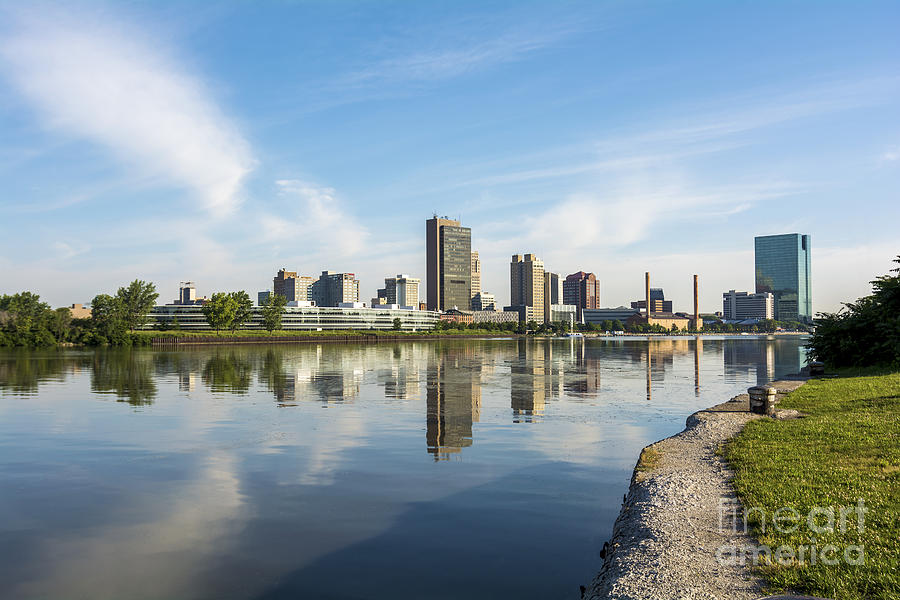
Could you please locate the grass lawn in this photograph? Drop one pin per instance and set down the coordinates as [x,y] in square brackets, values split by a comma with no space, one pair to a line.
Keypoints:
[846,449]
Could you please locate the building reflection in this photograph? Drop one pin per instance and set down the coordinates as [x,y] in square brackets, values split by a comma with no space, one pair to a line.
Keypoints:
[401,376]
[327,373]
[761,357]
[453,398]
[582,374]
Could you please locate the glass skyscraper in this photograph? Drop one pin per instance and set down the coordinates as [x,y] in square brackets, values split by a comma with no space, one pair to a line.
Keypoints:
[782,268]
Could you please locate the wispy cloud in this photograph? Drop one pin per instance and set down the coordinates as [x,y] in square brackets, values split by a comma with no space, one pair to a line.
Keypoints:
[104,82]
[314,219]
[891,154]
[460,59]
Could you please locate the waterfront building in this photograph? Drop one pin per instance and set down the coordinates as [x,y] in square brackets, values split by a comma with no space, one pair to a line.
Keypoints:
[495,316]
[658,302]
[484,301]
[741,305]
[583,290]
[526,286]
[783,269]
[262,297]
[332,289]
[476,276]
[598,315]
[402,290]
[448,256]
[313,318]
[562,313]
[454,315]
[667,320]
[293,287]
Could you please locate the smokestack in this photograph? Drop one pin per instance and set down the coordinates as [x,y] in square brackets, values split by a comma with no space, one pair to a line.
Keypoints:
[696,306]
[647,291]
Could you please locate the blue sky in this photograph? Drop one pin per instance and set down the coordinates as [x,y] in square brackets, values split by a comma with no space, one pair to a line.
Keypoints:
[219,142]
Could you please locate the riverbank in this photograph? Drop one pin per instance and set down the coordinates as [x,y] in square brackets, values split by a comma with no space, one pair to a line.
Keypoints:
[666,538]
[846,450]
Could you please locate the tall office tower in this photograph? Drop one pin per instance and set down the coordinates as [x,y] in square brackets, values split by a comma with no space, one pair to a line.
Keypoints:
[448,255]
[783,268]
[526,286]
[476,275]
[333,288]
[402,290]
[552,293]
[583,290]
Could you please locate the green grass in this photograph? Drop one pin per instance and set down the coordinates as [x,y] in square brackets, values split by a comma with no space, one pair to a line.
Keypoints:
[847,448]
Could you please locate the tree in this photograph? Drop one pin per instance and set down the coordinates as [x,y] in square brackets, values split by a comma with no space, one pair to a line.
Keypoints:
[865,332]
[398,324]
[137,301]
[107,316]
[243,309]
[25,320]
[272,310]
[60,322]
[220,310]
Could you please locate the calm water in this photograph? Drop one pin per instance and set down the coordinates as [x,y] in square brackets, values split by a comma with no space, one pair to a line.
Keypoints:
[439,469]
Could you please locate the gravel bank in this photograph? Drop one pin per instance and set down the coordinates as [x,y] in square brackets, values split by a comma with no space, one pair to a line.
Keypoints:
[665,539]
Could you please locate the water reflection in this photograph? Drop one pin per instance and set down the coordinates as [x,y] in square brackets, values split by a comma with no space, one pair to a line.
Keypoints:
[453,398]
[196,495]
[129,375]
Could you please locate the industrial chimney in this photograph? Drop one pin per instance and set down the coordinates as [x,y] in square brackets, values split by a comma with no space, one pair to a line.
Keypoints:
[647,293]
[698,324]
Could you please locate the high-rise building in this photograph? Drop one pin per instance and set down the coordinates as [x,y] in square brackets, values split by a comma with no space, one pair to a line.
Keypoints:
[449,264]
[526,286]
[476,275]
[262,298]
[484,301]
[332,289]
[783,268]
[402,290]
[552,293]
[293,287]
[741,305]
[583,290]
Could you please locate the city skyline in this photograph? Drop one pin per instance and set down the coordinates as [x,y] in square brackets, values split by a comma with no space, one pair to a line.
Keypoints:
[320,137]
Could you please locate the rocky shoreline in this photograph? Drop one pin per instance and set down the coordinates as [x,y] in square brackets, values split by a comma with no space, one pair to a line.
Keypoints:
[665,540]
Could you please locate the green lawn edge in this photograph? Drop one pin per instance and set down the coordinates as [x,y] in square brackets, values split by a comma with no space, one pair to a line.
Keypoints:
[846,448]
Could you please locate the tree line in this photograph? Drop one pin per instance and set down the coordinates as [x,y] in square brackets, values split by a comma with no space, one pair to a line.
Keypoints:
[115,319]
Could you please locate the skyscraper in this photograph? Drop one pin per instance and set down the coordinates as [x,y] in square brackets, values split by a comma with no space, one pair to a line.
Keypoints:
[552,293]
[448,270]
[583,290]
[526,286]
[783,268]
[476,275]
[402,290]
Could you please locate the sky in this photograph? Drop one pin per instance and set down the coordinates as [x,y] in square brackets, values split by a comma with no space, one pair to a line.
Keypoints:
[219,142]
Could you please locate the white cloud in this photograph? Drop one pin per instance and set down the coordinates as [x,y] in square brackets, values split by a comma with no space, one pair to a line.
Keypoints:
[108,84]
[891,154]
[315,219]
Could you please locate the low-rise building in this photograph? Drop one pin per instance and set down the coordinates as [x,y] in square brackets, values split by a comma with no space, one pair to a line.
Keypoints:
[191,318]
[742,305]
[495,316]
[78,311]
[598,315]
[667,320]
[563,313]
[527,313]
[454,315]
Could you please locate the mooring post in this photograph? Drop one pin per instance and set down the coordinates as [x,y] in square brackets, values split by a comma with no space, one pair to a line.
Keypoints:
[762,399]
